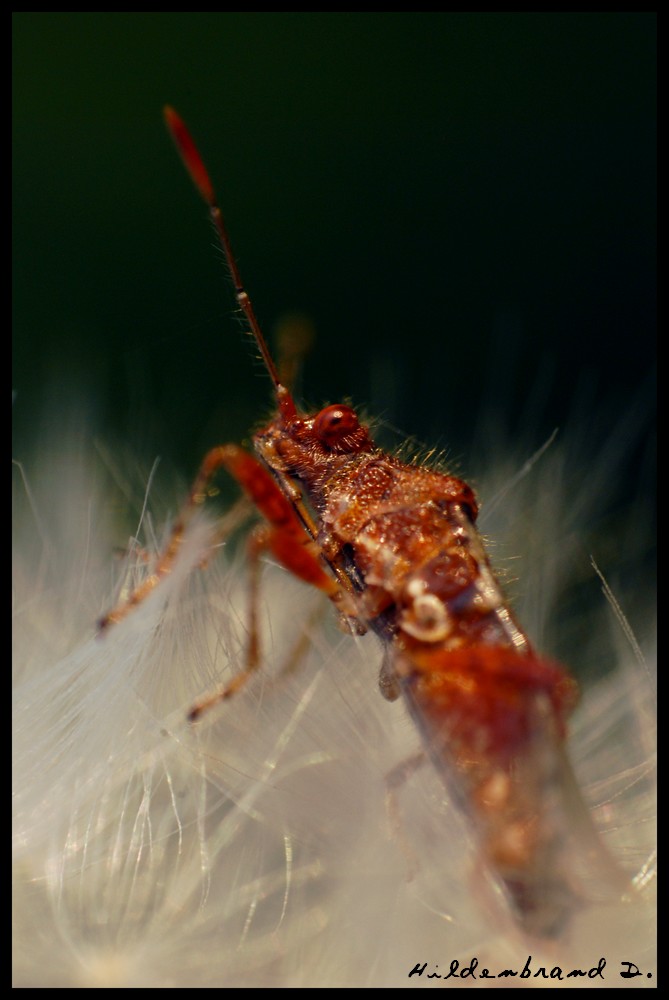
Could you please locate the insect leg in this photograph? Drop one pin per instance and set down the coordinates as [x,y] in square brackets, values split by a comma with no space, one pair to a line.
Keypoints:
[389,684]
[286,535]
[257,543]
[399,775]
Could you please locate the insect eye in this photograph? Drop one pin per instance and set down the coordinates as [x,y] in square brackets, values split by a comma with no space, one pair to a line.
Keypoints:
[335,423]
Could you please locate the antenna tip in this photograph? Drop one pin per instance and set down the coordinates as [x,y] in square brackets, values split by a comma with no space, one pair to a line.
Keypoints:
[189,154]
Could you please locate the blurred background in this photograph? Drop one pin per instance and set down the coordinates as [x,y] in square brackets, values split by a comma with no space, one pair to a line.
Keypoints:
[462,204]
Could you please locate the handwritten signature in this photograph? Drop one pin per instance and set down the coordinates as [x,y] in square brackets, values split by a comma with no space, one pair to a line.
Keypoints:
[628,970]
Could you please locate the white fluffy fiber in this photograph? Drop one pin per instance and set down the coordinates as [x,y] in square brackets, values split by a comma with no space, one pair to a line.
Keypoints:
[255,849]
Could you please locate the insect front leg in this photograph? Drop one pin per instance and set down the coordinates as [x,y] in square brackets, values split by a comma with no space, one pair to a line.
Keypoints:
[284,533]
[287,535]
[167,558]
[287,539]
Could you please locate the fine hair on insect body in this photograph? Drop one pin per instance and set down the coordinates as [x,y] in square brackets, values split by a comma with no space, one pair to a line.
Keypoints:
[395,547]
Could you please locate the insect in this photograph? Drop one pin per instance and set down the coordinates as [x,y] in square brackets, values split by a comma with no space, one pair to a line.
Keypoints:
[395,547]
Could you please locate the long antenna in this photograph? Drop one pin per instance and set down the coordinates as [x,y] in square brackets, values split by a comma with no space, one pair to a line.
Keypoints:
[198,172]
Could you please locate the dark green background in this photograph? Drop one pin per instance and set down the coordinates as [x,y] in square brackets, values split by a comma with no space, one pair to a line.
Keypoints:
[463,203]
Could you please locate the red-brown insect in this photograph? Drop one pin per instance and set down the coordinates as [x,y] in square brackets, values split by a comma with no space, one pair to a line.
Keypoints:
[395,547]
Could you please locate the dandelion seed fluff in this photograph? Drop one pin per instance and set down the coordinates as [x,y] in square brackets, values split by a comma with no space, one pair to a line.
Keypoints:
[256,849]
